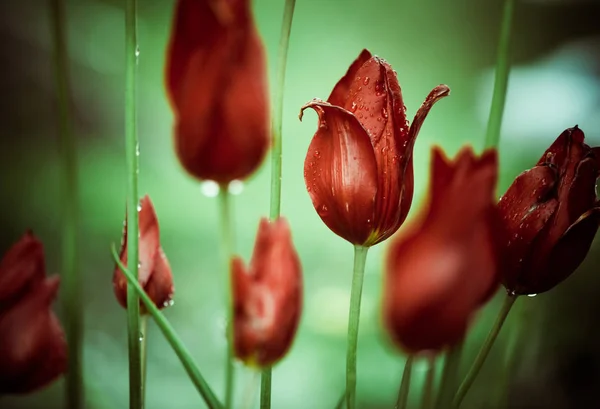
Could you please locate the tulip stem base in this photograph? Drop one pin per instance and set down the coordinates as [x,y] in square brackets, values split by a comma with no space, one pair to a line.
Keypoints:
[466,384]
[227,249]
[402,400]
[172,338]
[360,259]
[450,375]
[265,388]
[429,386]
[71,281]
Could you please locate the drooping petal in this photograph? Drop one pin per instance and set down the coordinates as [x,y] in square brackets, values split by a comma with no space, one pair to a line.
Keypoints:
[21,267]
[434,96]
[32,347]
[340,92]
[340,172]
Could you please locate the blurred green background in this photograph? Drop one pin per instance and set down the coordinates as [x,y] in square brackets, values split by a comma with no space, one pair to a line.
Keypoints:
[554,84]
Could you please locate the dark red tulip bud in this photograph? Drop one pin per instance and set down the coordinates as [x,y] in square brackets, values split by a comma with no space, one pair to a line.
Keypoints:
[267,296]
[33,350]
[358,169]
[216,82]
[154,272]
[552,215]
[444,267]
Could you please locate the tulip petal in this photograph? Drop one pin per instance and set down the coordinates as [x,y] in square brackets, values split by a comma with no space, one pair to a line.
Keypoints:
[582,192]
[340,92]
[570,251]
[23,265]
[340,172]
[434,96]
[160,287]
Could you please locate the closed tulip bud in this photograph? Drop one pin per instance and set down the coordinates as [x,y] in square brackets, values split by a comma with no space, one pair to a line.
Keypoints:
[552,215]
[217,84]
[154,272]
[359,166]
[445,266]
[33,350]
[267,296]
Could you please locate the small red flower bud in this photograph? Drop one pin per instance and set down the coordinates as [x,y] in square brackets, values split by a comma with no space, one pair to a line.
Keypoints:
[33,350]
[551,215]
[358,169]
[267,296]
[444,267]
[216,82]
[154,272]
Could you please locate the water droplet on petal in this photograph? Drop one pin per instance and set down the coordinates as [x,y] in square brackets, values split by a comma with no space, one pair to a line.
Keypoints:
[317,154]
[323,211]
[209,188]
[366,81]
[531,295]
[384,112]
[354,106]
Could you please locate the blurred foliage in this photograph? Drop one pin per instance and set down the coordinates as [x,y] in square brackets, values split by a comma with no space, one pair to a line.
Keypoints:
[554,85]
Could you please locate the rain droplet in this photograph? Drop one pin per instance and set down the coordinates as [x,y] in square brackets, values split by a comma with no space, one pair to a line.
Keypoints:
[209,188]
[366,81]
[323,211]
[531,295]
[354,106]
[236,187]
[141,336]
[168,303]
[368,220]
[317,154]
[308,188]
[139,207]
[384,112]
[137,52]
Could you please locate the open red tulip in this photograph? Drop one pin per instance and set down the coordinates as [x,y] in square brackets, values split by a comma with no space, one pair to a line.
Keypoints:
[154,272]
[217,84]
[33,350]
[441,269]
[552,215]
[267,296]
[358,169]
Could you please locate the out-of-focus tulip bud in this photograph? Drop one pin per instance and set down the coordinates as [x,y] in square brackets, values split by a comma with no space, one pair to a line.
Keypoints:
[551,215]
[154,272]
[267,296]
[445,266]
[33,350]
[358,169]
[217,84]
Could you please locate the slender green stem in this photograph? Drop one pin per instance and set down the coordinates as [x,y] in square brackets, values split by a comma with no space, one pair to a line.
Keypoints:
[404,384]
[172,338]
[143,347]
[136,385]
[509,300]
[428,388]
[277,115]
[265,388]
[360,258]
[450,375]
[501,80]
[227,248]
[71,283]
[341,401]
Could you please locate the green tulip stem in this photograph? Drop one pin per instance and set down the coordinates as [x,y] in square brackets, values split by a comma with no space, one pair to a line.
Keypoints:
[135,336]
[402,400]
[466,384]
[227,248]
[429,387]
[360,258]
[172,338]
[71,282]
[501,79]
[450,375]
[276,156]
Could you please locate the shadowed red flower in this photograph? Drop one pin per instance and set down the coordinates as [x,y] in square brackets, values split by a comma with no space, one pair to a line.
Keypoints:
[267,296]
[154,271]
[358,169]
[552,215]
[216,82]
[33,350]
[445,266]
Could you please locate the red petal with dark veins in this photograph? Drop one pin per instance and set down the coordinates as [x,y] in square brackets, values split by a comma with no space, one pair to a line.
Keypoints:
[340,172]
[32,338]
[570,251]
[340,92]
[21,267]
[434,96]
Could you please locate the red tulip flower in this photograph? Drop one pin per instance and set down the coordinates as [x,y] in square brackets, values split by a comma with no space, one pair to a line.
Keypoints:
[358,169]
[33,350]
[267,296]
[552,215]
[443,268]
[217,84]
[154,272]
